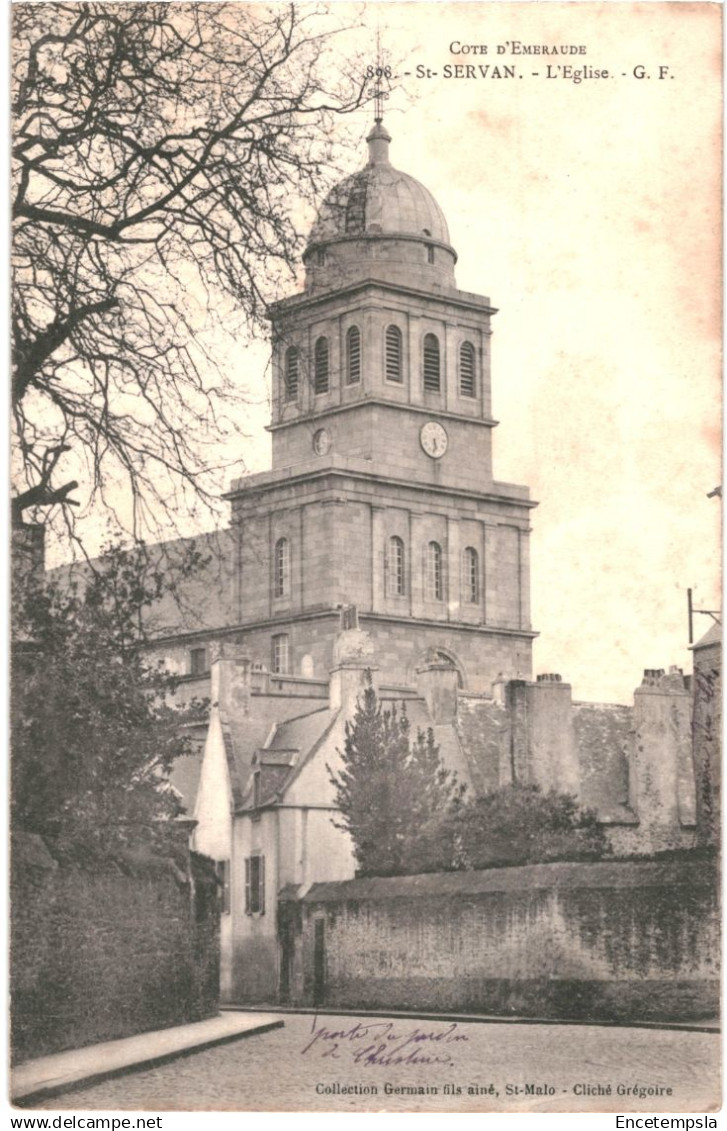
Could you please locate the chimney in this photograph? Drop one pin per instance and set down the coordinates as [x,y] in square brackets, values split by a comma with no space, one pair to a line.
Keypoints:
[353,657]
[437,681]
[230,682]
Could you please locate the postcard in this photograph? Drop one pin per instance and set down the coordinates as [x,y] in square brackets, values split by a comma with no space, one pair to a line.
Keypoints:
[374,763]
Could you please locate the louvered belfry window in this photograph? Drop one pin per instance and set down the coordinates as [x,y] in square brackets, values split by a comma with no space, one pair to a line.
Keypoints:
[291,374]
[321,366]
[281,569]
[432,381]
[353,356]
[393,354]
[467,369]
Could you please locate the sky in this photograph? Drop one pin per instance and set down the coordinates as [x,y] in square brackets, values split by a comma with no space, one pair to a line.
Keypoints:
[589,212]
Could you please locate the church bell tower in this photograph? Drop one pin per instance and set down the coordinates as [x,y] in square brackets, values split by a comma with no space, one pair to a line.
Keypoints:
[381,493]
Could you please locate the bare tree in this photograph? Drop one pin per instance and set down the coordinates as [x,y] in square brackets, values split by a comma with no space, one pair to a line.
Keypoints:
[160,153]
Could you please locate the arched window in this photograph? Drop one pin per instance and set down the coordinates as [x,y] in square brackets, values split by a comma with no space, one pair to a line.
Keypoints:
[467,369]
[281,568]
[291,374]
[431,364]
[430,253]
[435,581]
[320,382]
[394,353]
[397,572]
[353,356]
[470,576]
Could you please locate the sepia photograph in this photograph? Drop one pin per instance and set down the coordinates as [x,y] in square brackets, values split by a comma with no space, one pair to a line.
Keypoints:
[366,462]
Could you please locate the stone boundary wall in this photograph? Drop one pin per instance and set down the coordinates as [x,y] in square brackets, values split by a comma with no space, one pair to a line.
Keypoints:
[108,952]
[621,941]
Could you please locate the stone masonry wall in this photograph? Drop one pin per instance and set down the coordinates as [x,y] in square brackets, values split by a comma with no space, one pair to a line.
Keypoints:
[106,953]
[633,765]
[707,730]
[618,941]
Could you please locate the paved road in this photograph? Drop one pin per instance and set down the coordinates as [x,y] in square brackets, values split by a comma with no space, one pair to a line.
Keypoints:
[305,1068]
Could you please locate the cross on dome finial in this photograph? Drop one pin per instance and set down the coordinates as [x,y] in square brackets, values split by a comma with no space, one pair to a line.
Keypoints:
[378,104]
[378,140]
[378,93]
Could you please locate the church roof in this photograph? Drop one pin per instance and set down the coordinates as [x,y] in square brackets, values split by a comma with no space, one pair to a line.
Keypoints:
[379,199]
[184,779]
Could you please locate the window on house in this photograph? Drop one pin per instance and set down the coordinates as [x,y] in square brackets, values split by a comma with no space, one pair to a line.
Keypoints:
[430,253]
[281,654]
[291,373]
[467,369]
[435,584]
[353,356]
[394,353]
[256,789]
[470,576]
[320,383]
[198,662]
[281,568]
[255,885]
[222,868]
[396,570]
[431,364]
[320,257]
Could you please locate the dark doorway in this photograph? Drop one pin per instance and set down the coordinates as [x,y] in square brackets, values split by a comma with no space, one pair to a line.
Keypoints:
[319,963]
[287,945]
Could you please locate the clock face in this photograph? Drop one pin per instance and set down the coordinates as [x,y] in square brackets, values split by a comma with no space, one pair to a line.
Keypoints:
[321,442]
[433,439]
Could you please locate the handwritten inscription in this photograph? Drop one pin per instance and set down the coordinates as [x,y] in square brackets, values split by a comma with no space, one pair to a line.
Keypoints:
[384,1044]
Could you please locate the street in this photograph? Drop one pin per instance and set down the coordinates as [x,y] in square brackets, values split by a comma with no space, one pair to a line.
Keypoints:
[333,1063]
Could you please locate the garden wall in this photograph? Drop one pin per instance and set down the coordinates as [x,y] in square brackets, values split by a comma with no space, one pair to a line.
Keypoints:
[108,951]
[622,941]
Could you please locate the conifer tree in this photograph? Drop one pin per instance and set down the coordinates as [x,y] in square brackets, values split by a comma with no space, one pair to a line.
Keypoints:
[389,788]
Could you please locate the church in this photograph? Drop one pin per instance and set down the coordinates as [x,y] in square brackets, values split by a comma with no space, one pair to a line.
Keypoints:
[380,542]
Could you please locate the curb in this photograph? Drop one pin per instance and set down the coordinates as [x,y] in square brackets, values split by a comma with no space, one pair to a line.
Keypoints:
[708,1026]
[48,1091]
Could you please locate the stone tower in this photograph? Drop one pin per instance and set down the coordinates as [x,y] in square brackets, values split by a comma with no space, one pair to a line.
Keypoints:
[381,493]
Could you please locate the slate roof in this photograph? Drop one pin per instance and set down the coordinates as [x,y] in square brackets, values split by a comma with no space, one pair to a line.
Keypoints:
[241,742]
[184,779]
[202,601]
[283,754]
[301,733]
[483,728]
[603,734]
[713,635]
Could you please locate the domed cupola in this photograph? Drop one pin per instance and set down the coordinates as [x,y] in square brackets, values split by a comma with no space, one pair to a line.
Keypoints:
[379,223]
